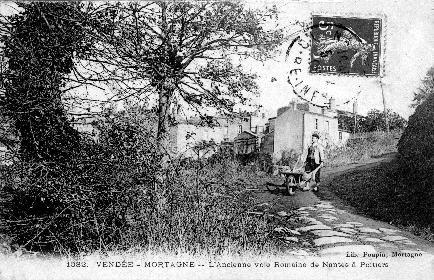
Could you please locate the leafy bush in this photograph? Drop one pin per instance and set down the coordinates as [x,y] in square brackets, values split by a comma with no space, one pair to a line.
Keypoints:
[85,203]
[416,145]
[259,160]
[416,148]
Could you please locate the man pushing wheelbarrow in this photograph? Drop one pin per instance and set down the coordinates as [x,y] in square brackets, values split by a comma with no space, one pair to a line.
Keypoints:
[313,159]
[306,172]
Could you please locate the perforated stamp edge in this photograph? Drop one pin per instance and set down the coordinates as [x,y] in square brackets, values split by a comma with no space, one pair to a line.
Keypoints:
[383,41]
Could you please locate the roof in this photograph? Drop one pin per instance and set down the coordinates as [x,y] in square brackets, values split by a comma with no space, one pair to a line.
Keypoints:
[197,121]
[316,114]
[310,113]
[245,135]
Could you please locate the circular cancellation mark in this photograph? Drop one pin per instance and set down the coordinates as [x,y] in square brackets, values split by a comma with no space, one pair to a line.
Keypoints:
[345,46]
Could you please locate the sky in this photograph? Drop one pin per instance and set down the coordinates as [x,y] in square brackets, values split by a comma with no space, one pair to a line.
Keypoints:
[408,52]
[408,44]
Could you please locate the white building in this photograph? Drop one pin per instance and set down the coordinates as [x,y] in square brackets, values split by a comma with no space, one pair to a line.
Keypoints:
[295,124]
[186,134]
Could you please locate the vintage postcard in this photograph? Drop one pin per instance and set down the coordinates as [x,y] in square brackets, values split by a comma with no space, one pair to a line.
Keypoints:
[256,139]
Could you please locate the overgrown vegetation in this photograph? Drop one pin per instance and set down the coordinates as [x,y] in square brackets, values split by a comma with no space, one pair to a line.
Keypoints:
[259,161]
[416,145]
[40,46]
[109,199]
[416,149]
[68,193]
[111,207]
[361,147]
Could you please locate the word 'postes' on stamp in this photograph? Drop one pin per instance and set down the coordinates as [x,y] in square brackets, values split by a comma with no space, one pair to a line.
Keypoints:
[344,45]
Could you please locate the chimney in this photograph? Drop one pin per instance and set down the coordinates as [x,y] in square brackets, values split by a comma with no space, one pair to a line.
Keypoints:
[355,107]
[250,121]
[332,104]
[293,105]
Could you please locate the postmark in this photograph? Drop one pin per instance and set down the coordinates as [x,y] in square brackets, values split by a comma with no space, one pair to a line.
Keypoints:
[345,48]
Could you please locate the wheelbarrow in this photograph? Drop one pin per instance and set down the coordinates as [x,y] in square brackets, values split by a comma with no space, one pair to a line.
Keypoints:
[295,178]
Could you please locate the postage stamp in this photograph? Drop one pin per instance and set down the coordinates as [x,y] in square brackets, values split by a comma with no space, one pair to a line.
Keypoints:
[345,45]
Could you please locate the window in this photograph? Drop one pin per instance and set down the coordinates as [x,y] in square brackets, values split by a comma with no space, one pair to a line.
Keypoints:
[316,123]
[340,135]
[240,128]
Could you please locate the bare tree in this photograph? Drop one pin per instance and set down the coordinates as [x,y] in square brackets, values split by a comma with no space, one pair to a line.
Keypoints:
[187,51]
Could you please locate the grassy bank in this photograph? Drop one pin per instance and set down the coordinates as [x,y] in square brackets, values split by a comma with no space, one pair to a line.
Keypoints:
[363,146]
[385,193]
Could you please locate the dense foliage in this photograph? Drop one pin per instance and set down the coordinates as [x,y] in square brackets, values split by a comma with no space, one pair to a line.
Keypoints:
[417,142]
[426,89]
[40,47]
[373,121]
[416,148]
[83,204]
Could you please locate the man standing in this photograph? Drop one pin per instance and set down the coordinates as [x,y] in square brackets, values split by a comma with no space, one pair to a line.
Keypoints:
[314,160]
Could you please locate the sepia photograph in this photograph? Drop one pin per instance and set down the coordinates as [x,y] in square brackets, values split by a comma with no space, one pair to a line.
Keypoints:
[255,139]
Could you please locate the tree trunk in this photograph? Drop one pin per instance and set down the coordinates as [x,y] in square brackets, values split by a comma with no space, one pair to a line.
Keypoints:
[165,92]
[163,109]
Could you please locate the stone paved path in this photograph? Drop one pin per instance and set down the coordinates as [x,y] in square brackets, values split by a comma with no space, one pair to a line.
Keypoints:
[336,231]
[332,228]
